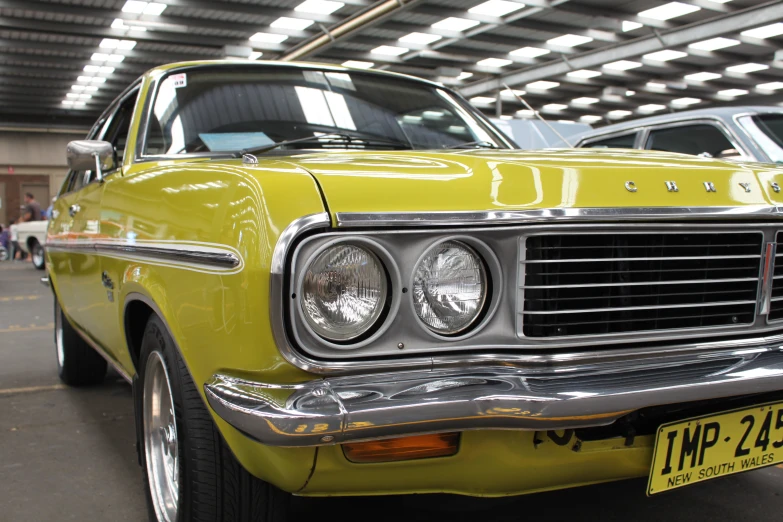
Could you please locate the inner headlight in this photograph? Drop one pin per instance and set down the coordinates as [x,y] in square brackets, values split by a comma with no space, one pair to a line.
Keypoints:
[449,287]
[343,292]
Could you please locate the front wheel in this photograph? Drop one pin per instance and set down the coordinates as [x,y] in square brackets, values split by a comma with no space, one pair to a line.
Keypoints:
[190,473]
[38,256]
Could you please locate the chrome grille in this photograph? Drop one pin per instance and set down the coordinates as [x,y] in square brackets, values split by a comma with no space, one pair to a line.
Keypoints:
[776,295]
[620,282]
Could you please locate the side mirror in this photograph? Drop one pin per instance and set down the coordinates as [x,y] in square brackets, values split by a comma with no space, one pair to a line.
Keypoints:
[90,155]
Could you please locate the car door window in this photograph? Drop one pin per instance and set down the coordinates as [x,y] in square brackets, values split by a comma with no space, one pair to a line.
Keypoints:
[626,141]
[699,139]
[117,128]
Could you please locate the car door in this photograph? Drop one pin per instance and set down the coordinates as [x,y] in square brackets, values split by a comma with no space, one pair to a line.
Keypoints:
[93,289]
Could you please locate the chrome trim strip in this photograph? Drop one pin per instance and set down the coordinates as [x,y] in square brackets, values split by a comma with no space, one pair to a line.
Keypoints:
[500,217]
[183,253]
[365,407]
[625,308]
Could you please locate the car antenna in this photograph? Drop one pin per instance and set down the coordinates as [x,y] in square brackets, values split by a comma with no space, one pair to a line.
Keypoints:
[535,112]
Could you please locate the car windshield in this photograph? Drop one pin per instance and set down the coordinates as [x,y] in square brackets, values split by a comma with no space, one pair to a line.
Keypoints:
[767,132]
[229,109]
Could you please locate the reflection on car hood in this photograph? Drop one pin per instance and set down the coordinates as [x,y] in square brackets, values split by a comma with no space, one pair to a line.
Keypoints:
[479,180]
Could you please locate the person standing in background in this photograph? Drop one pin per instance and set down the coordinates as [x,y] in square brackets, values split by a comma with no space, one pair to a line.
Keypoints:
[32,210]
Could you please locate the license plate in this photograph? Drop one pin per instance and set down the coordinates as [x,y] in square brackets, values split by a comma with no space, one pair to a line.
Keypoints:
[704,448]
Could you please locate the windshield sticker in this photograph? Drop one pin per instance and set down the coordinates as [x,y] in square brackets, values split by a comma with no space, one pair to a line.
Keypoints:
[179,80]
[230,141]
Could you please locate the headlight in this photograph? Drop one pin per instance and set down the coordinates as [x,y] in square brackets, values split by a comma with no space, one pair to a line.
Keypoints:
[449,287]
[343,292]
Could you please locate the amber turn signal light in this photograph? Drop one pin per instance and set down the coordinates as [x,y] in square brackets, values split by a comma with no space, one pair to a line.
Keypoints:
[403,448]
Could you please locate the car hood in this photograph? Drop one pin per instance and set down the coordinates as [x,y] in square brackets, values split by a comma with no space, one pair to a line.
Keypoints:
[492,180]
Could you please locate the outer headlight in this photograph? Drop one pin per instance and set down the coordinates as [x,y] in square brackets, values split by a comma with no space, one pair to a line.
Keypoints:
[343,292]
[449,287]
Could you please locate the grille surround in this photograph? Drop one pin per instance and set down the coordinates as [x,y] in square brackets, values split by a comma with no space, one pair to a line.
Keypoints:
[752,292]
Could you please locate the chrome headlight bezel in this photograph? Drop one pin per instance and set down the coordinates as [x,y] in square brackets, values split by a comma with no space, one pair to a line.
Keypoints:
[388,308]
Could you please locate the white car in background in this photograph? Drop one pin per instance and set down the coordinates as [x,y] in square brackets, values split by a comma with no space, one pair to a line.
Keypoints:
[31,236]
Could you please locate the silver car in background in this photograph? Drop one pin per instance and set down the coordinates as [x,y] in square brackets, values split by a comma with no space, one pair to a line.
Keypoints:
[742,133]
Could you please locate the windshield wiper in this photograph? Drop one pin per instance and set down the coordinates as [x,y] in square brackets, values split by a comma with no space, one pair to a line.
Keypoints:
[325,138]
[481,144]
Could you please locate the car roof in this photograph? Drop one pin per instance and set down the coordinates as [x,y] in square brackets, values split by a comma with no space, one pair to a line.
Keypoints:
[723,113]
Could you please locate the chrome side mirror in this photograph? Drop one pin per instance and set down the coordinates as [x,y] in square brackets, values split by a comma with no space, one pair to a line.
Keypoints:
[90,155]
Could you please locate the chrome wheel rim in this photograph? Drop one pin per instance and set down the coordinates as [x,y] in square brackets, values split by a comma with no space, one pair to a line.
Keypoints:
[160,439]
[38,256]
[58,335]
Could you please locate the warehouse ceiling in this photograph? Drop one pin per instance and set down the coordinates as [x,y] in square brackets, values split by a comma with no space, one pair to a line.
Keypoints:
[63,61]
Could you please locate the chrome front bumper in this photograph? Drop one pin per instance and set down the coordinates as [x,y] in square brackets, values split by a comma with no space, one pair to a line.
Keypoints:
[347,409]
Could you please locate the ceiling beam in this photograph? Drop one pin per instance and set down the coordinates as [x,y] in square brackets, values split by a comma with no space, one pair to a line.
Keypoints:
[737,21]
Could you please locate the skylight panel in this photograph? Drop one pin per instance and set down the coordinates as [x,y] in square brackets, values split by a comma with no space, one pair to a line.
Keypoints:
[542,85]
[584,100]
[494,62]
[525,113]
[731,93]
[664,56]
[767,31]
[529,52]
[590,118]
[622,65]
[482,100]
[569,40]
[555,107]
[496,8]
[669,11]
[268,38]
[656,85]
[255,55]
[628,26]
[584,73]
[147,8]
[651,107]
[389,50]
[297,24]
[702,76]
[747,68]
[318,6]
[684,102]
[455,24]
[771,86]
[356,64]
[618,114]
[420,38]
[713,44]
[464,75]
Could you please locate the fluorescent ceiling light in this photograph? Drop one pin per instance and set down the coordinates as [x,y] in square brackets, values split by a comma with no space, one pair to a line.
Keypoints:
[668,11]
[664,56]
[90,88]
[585,100]
[464,75]
[651,107]
[72,95]
[455,24]
[109,43]
[767,31]
[67,102]
[118,24]
[255,55]
[319,6]
[628,26]
[358,64]
[554,107]
[132,6]
[494,62]
[656,85]
[496,8]
[297,24]
[99,57]
[542,85]
[747,68]
[482,100]
[525,113]
[617,114]
[85,96]
[116,58]
[771,86]
[622,65]
[569,40]
[733,92]
[630,93]
[702,76]
[584,73]
[530,52]
[512,92]
[713,44]
[684,102]
[77,87]
[268,37]
[421,38]
[84,78]
[154,8]
[92,68]
[590,118]
[389,50]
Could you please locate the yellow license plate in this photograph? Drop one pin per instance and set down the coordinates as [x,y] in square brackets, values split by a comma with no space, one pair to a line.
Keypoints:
[704,448]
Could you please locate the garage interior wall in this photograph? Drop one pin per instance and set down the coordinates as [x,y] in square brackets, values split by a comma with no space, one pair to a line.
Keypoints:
[34,162]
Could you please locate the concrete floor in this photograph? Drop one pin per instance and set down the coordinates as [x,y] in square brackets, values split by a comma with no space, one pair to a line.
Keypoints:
[68,454]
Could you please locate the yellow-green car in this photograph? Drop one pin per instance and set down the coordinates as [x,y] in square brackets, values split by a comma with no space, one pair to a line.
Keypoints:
[326,281]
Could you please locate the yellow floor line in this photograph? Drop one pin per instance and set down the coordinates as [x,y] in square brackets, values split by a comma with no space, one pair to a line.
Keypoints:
[31,389]
[5,299]
[28,328]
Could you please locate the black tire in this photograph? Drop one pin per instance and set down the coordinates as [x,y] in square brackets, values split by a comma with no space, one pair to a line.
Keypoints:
[38,255]
[213,486]
[77,363]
